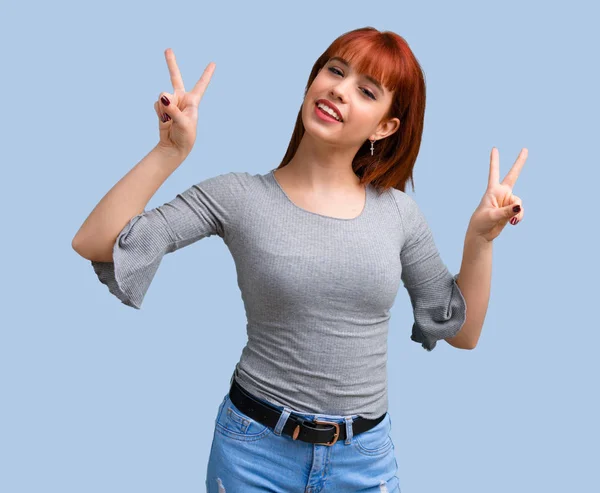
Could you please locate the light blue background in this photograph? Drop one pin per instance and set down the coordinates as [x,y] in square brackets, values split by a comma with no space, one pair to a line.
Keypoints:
[99,397]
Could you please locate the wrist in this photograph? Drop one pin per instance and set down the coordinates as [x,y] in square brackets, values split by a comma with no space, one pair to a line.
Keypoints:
[476,239]
[170,153]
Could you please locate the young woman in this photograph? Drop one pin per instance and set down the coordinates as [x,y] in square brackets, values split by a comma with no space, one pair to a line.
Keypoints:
[321,244]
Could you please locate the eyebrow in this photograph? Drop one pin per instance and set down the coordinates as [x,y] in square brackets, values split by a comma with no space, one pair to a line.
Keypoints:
[368,77]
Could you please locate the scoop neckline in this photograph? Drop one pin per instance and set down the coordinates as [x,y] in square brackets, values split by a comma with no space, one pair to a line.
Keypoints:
[362,213]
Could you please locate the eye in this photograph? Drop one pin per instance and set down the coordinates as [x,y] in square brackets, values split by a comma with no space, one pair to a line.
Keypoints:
[365,91]
[369,93]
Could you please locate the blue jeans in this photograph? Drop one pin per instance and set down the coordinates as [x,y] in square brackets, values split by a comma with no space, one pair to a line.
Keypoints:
[249,457]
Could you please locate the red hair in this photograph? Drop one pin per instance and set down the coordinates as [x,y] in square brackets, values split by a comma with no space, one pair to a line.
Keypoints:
[387,57]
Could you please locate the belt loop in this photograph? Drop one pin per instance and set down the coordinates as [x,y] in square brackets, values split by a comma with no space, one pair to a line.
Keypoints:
[349,433]
[282,420]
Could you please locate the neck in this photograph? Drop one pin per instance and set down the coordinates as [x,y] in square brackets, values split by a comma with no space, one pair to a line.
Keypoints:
[319,166]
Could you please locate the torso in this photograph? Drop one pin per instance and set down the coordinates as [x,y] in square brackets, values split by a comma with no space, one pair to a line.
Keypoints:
[343,206]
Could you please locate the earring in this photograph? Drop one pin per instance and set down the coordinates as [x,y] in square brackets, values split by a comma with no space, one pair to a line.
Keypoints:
[372,142]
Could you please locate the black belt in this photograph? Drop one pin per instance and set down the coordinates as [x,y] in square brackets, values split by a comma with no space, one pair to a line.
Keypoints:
[312,431]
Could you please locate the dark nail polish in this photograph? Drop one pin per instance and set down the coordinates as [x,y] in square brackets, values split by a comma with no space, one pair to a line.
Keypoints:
[165,101]
[517,208]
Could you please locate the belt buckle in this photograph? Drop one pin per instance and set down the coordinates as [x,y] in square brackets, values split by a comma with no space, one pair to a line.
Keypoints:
[335,436]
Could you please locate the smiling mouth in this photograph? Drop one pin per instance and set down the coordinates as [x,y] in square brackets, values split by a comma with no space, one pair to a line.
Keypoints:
[327,114]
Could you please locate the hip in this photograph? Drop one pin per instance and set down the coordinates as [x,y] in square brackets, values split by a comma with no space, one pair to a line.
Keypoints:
[249,456]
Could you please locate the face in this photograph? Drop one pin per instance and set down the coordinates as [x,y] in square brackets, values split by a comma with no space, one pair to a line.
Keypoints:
[361,103]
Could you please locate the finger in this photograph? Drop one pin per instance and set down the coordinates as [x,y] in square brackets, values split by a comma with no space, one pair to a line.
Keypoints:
[511,178]
[198,90]
[162,114]
[505,213]
[494,175]
[162,117]
[171,109]
[174,73]
[516,218]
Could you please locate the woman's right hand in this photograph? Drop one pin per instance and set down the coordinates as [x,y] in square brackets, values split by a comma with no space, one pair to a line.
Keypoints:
[178,131]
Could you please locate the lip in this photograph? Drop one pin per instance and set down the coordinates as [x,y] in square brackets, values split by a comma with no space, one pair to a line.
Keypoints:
[332,106]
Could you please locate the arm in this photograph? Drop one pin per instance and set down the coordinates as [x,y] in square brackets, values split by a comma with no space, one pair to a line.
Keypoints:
[96,237]
[438,304]
[498,206]
[474,282]
[211,207]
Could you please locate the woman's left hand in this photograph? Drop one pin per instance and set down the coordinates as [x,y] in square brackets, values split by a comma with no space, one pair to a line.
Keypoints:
[496,207]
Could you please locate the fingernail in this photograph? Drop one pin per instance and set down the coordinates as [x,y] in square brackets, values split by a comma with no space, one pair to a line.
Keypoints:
[517,208]
[165,101]
[512,221]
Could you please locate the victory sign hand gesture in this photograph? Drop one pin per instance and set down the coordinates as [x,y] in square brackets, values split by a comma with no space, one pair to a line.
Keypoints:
[178,111]
[499,205]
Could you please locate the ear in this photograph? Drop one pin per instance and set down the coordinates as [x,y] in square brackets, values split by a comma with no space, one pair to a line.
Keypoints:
[387,128]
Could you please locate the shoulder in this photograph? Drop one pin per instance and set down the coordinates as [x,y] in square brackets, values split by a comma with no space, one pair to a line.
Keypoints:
[226,185]
[408,209]
[404,201]
[414,222]
[230,178]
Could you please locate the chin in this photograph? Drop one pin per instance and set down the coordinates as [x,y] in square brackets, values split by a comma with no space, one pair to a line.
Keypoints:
[318,133]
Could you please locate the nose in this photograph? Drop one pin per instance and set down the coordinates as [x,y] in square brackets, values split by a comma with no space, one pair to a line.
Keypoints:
[339,91]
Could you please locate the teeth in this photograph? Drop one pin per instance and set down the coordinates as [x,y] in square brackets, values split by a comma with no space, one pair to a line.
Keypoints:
[327,109]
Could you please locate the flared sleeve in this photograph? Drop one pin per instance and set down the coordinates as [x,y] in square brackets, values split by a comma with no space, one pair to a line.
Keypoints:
[207,208]
[439,307]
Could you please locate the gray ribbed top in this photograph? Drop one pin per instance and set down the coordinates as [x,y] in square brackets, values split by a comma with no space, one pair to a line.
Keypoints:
[317,290]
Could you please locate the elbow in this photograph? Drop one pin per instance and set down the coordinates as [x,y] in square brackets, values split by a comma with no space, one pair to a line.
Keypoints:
[76,245]
[79,245]
[80,248]
[467,345]
[461,340]
[94,254]
[460,345]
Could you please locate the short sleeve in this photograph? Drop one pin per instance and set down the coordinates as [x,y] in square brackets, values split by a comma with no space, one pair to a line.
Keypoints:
[439,307]
[211,207]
